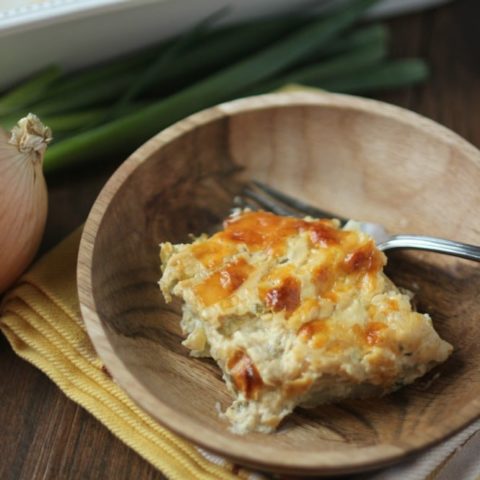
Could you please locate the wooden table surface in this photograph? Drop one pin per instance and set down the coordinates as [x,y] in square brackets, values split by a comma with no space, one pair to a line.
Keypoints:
[44,435]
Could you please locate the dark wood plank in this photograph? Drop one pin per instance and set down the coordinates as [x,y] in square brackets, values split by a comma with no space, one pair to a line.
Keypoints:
[449,40]
[45,435]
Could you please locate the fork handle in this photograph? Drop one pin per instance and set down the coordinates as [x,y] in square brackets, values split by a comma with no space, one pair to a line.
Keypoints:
[432,244]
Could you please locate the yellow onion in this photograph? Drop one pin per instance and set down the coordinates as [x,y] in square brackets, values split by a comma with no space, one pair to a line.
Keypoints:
[23,196]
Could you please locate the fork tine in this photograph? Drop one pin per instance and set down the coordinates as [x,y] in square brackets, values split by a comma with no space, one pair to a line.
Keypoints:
[267,203]
[293,203]
[241,202]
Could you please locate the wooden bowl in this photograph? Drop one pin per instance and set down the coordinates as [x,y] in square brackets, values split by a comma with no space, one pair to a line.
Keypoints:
[356,157]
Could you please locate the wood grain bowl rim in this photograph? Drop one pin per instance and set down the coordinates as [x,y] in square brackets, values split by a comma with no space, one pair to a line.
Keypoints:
[262,456]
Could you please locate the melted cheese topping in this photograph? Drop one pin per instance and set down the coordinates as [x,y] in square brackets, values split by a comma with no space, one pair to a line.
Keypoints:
[296,311]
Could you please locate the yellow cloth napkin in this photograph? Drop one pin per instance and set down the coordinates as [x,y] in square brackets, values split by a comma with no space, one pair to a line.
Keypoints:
[41,319]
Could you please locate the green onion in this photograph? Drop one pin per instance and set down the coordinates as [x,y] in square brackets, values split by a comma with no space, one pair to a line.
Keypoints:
[163,61]
[63,123]
[131,130]
[358,38]
[102,83]
[28,92]
[218,49]
[68,122]
[341,65]
[89,79]
[86,97]
[391,74]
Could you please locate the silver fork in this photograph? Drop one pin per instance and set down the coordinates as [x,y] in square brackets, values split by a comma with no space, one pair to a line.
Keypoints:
[257,195]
